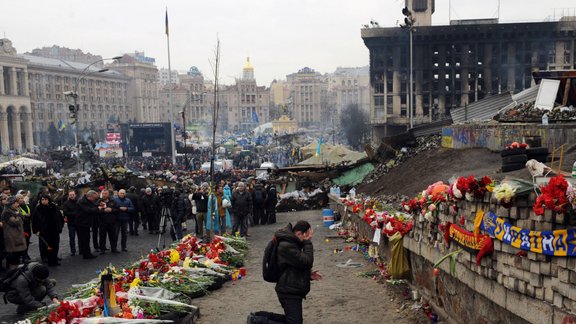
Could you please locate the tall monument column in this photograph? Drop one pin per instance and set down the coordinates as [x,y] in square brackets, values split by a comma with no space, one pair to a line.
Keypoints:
[2,91]
[17,132]
[29,133]
[4,132]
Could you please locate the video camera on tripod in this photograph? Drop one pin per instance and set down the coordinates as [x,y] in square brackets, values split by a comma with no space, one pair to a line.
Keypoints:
[166,197]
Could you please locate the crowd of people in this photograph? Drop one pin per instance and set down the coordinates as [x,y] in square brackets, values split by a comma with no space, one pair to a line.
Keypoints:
[101,220]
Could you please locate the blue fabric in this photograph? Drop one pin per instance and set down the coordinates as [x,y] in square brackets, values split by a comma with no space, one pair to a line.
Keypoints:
[212,208]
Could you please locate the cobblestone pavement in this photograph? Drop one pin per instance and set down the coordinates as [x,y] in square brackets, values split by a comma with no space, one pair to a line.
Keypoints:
[75,270]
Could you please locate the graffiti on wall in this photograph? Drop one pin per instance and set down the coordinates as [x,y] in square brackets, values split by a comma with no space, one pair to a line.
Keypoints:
[493,137]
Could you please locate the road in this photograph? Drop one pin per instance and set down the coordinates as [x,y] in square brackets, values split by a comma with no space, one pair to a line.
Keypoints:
[341,297]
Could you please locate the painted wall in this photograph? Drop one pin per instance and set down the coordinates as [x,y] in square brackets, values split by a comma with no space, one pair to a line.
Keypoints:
[495,137]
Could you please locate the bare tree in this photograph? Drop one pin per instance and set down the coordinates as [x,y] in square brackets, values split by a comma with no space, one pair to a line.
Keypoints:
[355,125]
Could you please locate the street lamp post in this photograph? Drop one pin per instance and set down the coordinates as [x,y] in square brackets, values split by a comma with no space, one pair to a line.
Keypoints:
[75,108]
[409,22]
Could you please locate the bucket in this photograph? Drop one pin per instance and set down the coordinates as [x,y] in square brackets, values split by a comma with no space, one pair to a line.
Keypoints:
[327,217]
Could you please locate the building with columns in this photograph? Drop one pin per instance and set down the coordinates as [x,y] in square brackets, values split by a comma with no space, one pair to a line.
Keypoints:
[244,105]
[16,131]
[456,64]
[309,98]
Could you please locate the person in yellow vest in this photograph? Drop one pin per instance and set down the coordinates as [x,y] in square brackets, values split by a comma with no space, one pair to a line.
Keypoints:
[25,212]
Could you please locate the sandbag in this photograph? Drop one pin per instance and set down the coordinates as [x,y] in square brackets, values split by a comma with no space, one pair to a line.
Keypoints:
[399,266]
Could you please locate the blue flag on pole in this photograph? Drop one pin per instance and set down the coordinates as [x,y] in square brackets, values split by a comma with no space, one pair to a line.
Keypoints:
[319,149]
[255,117]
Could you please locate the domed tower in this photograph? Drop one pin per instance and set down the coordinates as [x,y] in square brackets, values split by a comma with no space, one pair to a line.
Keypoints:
[248,70]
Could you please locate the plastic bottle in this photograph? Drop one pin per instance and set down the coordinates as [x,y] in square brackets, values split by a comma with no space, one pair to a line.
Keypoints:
[545,119]
[574,170]
[352,193]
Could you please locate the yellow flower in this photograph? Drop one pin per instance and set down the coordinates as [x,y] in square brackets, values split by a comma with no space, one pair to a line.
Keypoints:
[174,256]
[187,262]
[135,283]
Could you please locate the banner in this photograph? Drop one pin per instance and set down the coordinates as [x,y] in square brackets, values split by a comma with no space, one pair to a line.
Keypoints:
[557,243]
[473,243]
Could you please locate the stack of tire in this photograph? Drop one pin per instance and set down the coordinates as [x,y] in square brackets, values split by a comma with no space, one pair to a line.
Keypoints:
[514,159]
[539,154]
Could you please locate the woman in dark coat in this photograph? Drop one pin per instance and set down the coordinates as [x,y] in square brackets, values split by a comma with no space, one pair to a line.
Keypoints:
[14,241]
[47,223]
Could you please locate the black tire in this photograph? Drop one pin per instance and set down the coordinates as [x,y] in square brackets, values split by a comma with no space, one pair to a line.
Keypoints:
[513,159]
[540,158]
[536,151]
[515,151]
[513,167]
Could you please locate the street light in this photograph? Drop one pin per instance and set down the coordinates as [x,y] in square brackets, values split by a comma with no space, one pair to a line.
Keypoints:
[76,107]
[409,22]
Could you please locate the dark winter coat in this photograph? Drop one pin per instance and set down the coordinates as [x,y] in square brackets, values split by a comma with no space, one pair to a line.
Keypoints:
[25,283]
[150,204]
[111,217]
[242,203]
[271,197]
[123,202]
[201,199]
[178,208]
[259,196]
[295,258]
[48,220]
[13,230]
[88,212]
[71,211]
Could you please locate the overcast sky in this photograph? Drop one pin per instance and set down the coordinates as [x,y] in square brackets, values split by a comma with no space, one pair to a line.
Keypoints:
[280,36]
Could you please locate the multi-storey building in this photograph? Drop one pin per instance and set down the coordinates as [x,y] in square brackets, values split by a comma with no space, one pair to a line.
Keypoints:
[67,54]
[456,64]
[32,97]
[142,89]
[349,85]
[164,77]
[190,96]
[309,97]
[244,105]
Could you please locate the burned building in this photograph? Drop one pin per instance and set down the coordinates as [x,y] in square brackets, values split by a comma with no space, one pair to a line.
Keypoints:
[454,65]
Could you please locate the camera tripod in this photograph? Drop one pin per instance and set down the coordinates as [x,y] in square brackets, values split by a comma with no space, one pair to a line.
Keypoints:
[165,218]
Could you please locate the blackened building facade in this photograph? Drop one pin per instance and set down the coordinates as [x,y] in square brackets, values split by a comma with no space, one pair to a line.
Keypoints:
[456,64]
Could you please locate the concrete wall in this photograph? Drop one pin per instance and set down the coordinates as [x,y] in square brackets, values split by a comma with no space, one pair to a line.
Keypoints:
[496,136]
[507,287]
[534,288]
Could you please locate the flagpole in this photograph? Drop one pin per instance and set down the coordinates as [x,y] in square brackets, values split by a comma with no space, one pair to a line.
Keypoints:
[172,139]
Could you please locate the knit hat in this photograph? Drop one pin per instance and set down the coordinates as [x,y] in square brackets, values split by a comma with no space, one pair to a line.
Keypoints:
[11,200]
[40,271]
[148,189]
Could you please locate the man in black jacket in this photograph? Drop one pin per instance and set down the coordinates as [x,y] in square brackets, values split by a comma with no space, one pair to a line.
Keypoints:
[151,210]
[295,258]
[71,211]
[31,287]
[178,213]
[88,211]
[242,209]
[200,197]
[107,221]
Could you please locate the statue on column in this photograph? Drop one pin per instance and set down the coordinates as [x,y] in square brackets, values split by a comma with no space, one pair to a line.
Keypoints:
[6,47]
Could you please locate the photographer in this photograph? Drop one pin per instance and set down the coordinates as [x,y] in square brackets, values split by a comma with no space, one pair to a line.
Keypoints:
[150,211]
[200,197]
[178,215]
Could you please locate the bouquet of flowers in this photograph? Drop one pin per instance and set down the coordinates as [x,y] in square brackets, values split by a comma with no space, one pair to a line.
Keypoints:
[553,196]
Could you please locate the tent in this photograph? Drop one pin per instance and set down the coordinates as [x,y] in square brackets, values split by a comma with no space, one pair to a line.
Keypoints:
[24,163]
[263,128]
[330,154]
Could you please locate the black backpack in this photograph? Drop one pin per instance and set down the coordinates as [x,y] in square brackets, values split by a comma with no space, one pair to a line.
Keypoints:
[259,196]
[10,276]
[270,268]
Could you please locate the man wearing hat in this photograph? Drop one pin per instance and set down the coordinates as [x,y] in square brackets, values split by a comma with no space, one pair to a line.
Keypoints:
[30,287]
